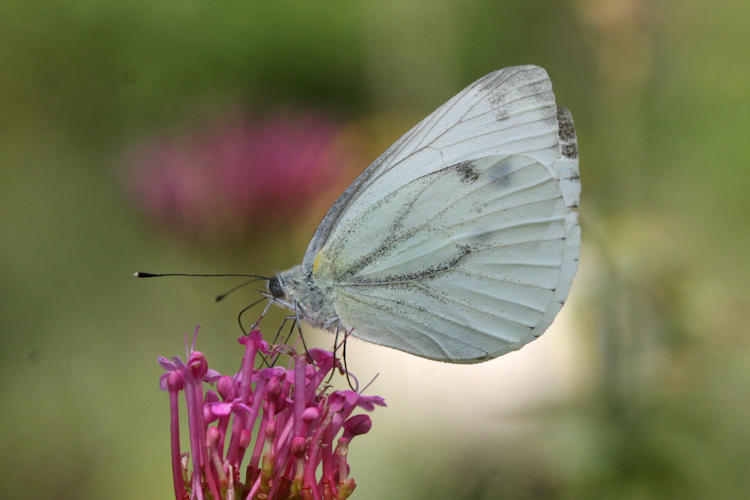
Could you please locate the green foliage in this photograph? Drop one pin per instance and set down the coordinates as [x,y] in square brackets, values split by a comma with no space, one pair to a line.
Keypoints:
[659,94]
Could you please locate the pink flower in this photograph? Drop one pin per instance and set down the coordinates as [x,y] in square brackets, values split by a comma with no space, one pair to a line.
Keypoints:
[291,450]
[244,173]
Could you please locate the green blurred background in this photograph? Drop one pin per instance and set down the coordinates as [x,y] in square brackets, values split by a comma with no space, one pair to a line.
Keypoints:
[641,389]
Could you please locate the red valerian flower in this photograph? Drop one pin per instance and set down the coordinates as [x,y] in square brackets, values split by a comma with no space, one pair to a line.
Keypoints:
[281,418]
[223,178]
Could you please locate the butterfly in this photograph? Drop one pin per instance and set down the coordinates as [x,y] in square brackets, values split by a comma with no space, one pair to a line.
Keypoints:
[460,242]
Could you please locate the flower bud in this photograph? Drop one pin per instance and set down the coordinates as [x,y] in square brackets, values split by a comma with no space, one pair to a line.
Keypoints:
[271,430]
[356,425]
[273,388]
[299,446]
[294,419]
[227,388]
[212,437]
[197,364]
[310,414]
[175,381]
[245,438]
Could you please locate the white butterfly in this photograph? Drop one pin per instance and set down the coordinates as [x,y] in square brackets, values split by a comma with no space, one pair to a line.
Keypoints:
[460,242]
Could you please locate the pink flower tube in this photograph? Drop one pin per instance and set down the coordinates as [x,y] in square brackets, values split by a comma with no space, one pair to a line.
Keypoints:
[293,434]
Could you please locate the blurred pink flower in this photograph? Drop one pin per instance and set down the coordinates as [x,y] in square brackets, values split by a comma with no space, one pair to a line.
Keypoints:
[292,455]
[243,173]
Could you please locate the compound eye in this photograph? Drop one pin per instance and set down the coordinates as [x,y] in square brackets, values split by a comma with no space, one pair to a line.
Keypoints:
[274,286]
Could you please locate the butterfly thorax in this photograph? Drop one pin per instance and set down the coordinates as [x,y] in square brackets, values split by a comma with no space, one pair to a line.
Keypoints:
[313,303]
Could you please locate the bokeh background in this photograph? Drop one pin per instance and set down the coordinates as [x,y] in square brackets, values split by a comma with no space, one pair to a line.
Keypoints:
[211,136]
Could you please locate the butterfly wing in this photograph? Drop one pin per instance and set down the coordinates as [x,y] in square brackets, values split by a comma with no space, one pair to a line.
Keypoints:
[461,241]
[509,111]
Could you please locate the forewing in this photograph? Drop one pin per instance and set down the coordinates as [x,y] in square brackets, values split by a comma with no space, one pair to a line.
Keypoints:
[510,111]
[461,264]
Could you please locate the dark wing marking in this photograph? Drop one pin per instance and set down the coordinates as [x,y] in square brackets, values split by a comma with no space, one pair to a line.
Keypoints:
[496,114]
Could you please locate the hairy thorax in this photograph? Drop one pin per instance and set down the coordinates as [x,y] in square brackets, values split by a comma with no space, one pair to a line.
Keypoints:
[314,303]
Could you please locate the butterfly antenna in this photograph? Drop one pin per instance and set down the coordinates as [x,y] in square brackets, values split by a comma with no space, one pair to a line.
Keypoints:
[221,297]
[218,298]
[141,274]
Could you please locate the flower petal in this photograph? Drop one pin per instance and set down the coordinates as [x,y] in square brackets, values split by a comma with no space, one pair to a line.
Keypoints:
[166,364]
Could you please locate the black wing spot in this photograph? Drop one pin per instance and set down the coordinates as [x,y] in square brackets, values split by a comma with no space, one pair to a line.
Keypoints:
[565,124]
[570,150]
[567,133]
[467,172]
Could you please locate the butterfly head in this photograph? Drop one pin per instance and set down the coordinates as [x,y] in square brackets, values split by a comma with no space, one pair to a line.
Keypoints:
[275,288]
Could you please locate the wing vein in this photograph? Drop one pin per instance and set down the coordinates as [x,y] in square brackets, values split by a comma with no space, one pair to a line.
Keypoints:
[496,85]
[512,282]
[477,309]
[497,144]
[435,120]
[446,319]
[505,104]
[404,318]
[494,131]
[509,301]
[494,247]
[458,240]
[391,241]
[531,222]
[455,100]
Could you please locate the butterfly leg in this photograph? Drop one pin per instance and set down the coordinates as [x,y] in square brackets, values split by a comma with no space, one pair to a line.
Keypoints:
[335,347]
[247,308]
[299,330]
[346,368]
[289,334]
[262,315]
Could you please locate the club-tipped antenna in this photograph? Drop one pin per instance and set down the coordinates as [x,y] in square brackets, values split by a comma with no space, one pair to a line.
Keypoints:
[141,274]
